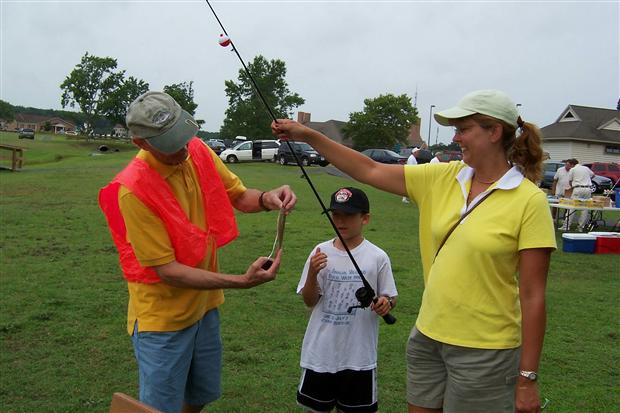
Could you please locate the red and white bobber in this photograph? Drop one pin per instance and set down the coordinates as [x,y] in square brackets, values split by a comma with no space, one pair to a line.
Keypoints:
[224,40]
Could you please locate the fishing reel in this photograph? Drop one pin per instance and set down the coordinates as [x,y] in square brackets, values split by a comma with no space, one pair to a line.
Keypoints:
[366,296]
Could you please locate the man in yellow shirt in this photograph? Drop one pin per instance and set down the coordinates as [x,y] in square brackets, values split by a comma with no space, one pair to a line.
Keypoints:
[168,211]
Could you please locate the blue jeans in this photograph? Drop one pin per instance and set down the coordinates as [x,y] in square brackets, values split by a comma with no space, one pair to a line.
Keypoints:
[177,367]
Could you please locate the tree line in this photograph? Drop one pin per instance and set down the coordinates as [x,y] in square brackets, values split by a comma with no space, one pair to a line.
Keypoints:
[101,90]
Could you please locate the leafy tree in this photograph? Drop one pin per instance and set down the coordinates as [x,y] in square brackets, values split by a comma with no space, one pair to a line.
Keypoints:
[90,84]
[115,106]
[183,93]
[7,111]
[246,114]
[384,122]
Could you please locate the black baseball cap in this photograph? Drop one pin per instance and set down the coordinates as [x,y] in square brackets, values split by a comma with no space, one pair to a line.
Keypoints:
[350,200]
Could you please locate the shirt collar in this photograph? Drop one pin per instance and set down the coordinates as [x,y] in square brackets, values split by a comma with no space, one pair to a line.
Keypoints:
[163,169]
[510,180]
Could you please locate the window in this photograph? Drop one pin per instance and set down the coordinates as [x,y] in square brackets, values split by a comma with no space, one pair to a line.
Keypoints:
[245,146]
[612,149]
[613,167]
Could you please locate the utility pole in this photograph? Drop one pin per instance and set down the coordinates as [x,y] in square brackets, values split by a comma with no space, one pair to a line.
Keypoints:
[430,120]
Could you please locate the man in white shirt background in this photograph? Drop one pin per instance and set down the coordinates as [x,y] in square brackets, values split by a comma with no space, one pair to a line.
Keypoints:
[561,184]
[411,161]
[580,180]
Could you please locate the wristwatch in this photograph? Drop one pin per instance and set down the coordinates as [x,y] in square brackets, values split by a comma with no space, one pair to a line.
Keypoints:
[391,301]
[530,375]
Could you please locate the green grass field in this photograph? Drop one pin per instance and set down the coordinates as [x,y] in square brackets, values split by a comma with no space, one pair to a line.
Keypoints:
[64,346]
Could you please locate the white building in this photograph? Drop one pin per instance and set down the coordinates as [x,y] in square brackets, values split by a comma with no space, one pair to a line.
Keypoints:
[585,133]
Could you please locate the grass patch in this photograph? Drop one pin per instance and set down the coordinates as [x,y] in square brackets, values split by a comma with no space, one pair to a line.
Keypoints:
[63,345]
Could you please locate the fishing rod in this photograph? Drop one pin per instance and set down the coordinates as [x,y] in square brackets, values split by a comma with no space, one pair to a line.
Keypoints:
[366,294]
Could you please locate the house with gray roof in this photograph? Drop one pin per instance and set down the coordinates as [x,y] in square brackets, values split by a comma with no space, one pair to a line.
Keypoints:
[586,133]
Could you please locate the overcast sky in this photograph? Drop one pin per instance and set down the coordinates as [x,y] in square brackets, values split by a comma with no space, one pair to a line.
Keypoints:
[545,54]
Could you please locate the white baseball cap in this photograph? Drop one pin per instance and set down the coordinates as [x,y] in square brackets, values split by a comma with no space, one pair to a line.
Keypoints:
[490,102]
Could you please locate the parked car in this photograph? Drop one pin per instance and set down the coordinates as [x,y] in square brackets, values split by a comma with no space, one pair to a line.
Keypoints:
[305,153]
[609,170]
[71,133]
[599,183]
[216,145]
[259,150]
[385,156]
[447,156]
[26,133]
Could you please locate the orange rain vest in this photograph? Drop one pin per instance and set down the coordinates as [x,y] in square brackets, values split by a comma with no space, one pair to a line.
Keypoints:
[188,240]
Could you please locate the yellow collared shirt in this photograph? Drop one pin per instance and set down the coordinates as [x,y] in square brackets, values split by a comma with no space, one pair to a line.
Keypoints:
[471,295]
[161,307]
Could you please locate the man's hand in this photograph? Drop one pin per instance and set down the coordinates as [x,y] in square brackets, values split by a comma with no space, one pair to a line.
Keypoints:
[527,399]
[280,198]
[255,275]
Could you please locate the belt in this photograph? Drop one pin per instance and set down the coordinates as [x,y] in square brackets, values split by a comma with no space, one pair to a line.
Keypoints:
[581,186]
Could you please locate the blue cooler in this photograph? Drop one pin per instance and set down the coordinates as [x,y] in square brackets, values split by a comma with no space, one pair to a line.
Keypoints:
[617,196]
[578,243]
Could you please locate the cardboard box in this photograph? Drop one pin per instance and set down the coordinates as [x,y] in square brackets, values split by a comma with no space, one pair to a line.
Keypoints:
[585,243]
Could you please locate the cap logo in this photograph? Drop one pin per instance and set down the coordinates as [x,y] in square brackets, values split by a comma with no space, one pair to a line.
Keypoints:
[343,195]
[161,117]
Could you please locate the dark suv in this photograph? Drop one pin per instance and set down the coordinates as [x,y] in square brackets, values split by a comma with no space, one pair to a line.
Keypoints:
[305,153]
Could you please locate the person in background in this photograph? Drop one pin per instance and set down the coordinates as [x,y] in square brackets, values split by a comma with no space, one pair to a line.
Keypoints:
[478,338]
[339,350]
[580,180]
[411,160]
[436,158]
[561,184]
[169,211]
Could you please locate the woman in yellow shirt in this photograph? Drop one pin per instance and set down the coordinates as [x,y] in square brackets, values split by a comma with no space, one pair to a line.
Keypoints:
[478,338]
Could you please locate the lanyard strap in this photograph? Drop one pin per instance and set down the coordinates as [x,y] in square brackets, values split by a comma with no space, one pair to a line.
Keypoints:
[461,220]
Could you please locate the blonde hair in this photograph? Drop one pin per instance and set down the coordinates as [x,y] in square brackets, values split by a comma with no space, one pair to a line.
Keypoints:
[524,150]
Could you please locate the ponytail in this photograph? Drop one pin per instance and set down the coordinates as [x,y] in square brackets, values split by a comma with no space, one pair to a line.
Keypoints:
[524,150]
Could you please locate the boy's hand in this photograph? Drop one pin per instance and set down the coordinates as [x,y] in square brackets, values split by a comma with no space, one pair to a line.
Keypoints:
[382,306]
[317,262]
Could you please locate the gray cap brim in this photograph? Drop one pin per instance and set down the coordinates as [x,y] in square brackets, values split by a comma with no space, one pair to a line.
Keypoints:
[175,138]
[445,116]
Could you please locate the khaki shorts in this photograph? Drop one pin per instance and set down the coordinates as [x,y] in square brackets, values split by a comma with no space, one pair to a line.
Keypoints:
[460,379]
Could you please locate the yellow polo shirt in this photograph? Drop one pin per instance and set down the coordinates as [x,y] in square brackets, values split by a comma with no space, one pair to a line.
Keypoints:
[161,307]
[471,294]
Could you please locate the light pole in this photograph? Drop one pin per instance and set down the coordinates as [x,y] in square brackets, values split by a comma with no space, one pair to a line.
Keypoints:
[430,120]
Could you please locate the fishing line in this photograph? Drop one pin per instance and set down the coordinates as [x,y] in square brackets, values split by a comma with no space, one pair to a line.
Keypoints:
[364,297]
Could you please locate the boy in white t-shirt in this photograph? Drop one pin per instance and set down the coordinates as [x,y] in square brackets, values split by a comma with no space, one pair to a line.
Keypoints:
[339,351]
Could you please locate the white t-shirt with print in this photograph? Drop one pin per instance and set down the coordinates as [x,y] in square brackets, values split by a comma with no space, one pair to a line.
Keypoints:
[336,340]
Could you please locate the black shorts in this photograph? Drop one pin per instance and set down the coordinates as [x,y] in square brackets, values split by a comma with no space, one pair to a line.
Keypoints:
[348,390]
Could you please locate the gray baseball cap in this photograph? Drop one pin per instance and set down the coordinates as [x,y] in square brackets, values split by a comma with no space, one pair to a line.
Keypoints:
[156,116]
[490,102]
